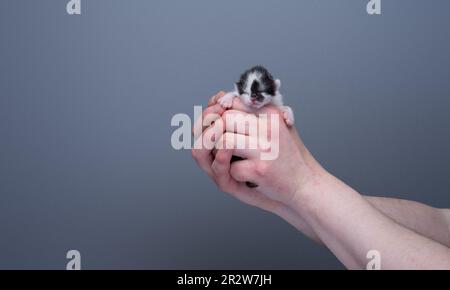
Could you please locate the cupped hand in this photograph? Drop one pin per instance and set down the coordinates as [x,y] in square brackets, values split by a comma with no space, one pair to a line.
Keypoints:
[278,180]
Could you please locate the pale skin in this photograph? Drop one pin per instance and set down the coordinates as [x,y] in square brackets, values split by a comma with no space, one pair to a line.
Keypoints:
[407,234]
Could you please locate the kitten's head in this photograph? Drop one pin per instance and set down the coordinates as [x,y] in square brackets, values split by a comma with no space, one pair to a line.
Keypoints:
[257,87]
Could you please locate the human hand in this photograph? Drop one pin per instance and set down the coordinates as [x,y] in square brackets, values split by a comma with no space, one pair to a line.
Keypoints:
[278,180]
[217,163]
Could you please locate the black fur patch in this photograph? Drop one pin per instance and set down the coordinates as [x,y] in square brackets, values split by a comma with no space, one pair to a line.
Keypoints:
[265,84]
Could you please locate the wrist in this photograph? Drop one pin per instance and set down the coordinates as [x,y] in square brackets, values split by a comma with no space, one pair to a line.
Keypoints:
[313,192]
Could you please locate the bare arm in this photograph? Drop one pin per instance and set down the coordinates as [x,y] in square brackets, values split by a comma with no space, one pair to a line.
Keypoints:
[430,222]
[298,189]
[351,227]
[427,221]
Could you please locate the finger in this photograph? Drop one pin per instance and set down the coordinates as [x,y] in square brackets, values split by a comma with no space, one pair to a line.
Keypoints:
[214,99]
[243,146]
[202,152]
[244,171]
[209,115]
[238,105]
[211,136]
[221,175]
[241,122]
[221,171]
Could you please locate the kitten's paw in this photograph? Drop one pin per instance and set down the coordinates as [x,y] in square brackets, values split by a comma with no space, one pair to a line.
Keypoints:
[288,115]
[227,100]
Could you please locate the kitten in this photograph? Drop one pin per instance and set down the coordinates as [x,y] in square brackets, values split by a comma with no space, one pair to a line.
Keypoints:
[256,89]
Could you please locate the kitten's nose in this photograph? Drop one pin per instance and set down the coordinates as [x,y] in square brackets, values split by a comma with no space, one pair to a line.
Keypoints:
[255,97]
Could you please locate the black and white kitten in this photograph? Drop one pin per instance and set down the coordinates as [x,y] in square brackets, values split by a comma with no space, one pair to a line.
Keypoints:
[257,88]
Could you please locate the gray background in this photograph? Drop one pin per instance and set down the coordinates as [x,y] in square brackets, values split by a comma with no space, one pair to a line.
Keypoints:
[86,103]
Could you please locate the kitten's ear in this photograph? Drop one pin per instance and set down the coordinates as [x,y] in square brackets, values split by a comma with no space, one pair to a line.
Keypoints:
[236,88]
[278,84]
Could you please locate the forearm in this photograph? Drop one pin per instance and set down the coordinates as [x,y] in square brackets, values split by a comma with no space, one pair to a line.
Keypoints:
[350,227]
[293,218]
[430,222]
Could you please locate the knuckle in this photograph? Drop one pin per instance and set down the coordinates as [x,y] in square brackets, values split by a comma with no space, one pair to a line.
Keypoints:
[220,185]
[236,173]
[261,169]
[227,115]
[221,158]
[214,164]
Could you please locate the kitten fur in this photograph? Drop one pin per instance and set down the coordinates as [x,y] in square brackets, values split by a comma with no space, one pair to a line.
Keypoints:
[257,88]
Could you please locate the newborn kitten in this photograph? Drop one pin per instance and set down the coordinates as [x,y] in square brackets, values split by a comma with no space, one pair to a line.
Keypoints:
[257,88]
